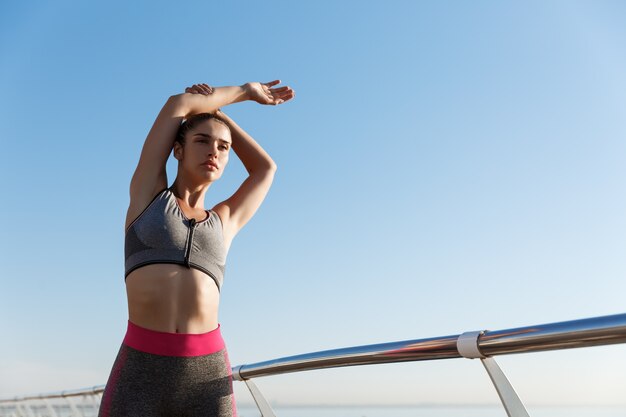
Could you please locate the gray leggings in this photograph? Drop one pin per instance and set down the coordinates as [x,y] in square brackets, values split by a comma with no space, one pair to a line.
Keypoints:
[155,384]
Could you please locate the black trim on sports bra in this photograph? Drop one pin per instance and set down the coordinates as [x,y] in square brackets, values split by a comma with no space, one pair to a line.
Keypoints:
[144,210]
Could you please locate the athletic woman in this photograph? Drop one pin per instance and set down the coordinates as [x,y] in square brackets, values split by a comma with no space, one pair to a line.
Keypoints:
[173,361]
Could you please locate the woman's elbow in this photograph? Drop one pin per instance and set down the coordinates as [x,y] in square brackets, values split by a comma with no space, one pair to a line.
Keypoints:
[178,104]
[175,99]
[269,169]
[268,165]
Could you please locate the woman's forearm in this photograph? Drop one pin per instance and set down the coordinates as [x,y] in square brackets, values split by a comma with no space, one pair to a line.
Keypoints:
[251,154]
[188,104]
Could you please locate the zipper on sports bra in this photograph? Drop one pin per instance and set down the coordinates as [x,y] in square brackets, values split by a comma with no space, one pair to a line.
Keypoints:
[192,226]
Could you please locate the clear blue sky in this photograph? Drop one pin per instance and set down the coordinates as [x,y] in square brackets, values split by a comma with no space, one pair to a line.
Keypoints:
[445,167]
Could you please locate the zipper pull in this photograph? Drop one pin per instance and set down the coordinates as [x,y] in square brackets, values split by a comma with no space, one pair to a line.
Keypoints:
[192,224]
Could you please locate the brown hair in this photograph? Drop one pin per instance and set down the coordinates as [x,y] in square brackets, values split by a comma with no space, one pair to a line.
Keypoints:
[193,121]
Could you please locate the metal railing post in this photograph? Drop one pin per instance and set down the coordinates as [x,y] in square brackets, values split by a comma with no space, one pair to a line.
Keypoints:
[261,403]
[259,399]
[467,345]
[97,399]
[75,411]
[29,410]
[50,408]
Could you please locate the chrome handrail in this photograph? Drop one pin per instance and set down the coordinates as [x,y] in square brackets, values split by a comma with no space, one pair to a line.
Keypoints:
[588,332]
[594,331]
[96,389]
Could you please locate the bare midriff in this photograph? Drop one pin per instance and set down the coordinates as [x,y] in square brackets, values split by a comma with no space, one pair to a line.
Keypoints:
[172,298]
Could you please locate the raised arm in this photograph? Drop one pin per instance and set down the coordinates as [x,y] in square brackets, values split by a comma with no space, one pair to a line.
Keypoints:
[239,208]
[150,175]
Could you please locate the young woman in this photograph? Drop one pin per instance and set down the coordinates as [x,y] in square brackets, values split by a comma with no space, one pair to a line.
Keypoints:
[173,361]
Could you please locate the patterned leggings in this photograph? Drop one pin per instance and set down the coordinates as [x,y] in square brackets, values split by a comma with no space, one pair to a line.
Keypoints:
[161,374]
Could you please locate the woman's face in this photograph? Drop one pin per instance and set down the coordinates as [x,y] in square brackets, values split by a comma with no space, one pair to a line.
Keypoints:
[206,150]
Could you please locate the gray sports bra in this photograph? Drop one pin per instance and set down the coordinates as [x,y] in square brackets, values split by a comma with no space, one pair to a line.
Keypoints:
[163,234]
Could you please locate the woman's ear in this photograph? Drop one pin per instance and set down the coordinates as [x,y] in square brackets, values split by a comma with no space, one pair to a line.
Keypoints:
[178,151]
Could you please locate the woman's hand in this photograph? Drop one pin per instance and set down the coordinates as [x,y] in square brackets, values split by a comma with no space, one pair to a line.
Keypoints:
[200,89]
[263,94]
[203,89]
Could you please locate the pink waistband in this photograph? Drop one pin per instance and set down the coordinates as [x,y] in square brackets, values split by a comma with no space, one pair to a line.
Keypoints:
[173,344]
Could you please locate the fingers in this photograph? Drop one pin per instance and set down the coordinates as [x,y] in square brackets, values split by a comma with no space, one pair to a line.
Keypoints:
[193,89]
[279,89]
[273,96]
[288,97]
[207,88]
[285,99]
[272,83]
[200,89]
[283,94]
[282,100]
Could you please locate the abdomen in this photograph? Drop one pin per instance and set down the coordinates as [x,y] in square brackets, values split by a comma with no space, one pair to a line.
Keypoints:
[172,298]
